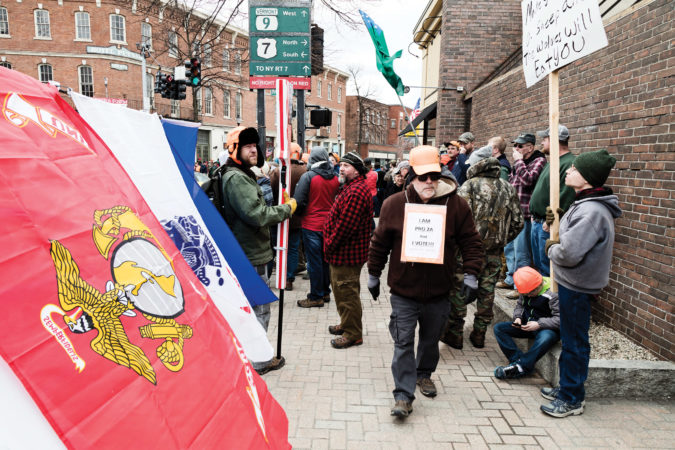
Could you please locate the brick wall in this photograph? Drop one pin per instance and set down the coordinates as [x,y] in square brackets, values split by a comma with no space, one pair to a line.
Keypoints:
[619,98]
[476,37]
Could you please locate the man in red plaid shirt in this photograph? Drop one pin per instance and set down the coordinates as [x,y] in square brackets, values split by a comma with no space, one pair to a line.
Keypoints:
[346,240]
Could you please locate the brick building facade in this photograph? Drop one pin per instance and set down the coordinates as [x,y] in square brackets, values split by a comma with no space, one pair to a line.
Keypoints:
[91,47]
[619,98]
[372,129]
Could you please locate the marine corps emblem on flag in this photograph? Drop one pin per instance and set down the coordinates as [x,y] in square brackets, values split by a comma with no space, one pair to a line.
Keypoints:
[143,280]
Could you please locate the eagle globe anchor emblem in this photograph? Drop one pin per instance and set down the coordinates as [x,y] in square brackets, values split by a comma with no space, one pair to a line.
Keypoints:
[143,280]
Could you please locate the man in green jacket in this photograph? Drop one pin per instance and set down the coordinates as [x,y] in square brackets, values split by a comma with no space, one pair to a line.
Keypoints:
[540,199]
[249,217]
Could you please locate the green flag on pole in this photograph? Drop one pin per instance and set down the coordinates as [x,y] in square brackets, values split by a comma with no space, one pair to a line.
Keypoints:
[385,63]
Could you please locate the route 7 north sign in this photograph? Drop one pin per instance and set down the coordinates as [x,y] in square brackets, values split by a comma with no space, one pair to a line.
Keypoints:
[280,37]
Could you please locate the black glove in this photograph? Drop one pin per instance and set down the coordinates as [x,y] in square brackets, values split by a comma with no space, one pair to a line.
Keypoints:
[549,215]
[549,243]
[470,288]
[374,286]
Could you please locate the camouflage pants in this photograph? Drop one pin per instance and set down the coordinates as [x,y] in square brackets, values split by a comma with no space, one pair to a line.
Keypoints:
[487,278]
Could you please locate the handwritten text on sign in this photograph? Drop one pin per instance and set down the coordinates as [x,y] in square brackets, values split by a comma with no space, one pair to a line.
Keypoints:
[558,32]
[423,233]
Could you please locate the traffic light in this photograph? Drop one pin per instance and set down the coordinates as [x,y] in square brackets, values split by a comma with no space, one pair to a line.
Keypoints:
[193,71]
[178,91]
[168,81]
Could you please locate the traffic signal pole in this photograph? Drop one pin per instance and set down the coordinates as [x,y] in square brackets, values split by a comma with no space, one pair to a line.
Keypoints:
[300,115]
[261,122]
[146,103]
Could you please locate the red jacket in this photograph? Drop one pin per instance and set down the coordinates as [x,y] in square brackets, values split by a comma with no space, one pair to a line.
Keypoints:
[371,181]
[420,281]
[315,193]
[347,231]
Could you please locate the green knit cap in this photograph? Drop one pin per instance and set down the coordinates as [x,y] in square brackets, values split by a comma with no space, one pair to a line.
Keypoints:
[595,166]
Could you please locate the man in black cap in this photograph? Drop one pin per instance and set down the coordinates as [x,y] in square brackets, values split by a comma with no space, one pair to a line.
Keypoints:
[249,217]
[459,170]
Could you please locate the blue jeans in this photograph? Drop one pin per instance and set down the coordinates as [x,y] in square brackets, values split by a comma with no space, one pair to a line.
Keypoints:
[518,252]
[293,247]
[538,239]
[575,319]
[319,271]
[544,339]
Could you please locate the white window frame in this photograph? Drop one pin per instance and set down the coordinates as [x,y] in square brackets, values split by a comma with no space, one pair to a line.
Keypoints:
[227,103]
[226,60]
[80,26]
[145,38]
[393,123]
[329,94]
[124,29]
[173,44]
[80,74]
[339,94]
[40,72]
[208,101]
[150,88]
[237,63]
[175,108]
[238,106]
[198,95]
[318,88]
[36,13]
[4,22]
[339,124]
[207,55]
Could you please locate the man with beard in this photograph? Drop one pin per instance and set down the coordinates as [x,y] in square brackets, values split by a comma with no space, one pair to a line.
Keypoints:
[346,236]
[419,291]
[249,217]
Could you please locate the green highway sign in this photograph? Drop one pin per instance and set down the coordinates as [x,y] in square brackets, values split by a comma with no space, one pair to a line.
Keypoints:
[285,48]
[268,19]
[282,68]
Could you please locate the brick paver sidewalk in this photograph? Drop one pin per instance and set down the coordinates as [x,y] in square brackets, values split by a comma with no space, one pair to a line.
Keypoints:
[338,399]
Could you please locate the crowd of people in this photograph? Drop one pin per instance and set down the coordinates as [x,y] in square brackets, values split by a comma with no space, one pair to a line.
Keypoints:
[495,228]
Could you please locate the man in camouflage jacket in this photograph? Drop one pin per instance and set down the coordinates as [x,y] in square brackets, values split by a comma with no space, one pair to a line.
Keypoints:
[498,217]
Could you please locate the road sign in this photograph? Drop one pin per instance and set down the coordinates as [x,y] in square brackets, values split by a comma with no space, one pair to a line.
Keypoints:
[269,82]
[280,38]
[286,48]
[282,68]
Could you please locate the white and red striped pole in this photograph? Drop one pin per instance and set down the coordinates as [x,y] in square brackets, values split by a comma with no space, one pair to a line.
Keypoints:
[284,107]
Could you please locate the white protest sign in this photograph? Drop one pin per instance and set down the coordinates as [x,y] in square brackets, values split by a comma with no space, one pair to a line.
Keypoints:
[558,32]
[423,233]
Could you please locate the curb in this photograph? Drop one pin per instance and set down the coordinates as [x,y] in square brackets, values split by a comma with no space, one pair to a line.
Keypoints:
[606,378]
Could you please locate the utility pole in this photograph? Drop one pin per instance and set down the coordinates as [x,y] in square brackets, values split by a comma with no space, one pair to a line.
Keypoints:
[300,115]
[143,49]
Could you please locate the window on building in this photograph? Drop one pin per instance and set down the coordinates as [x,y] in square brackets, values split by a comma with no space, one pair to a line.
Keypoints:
[378,119]
[173,44]
[226,103]
[42,29]
[208,101]
[203,145]
[237,106]
[339,124]
[86,81]
[226,60]
[393,123]
[318,88]
[4,22]
[5,64]
[150,89]
[208,60]
[146,34]
[117,31]
[199,100]
[45,72]
[237,63]
[175,108]
[339,99]
[82,26]
[329,94]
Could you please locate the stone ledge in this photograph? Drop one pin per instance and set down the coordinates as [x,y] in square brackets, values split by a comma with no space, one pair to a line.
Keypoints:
[606,378]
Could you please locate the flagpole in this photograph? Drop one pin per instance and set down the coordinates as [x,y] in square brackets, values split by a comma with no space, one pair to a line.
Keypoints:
[417,140]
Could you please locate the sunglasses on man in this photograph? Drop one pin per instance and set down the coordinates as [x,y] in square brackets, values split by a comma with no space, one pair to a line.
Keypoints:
[434,176]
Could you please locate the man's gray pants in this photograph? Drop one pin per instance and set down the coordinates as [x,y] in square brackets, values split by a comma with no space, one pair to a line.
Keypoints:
[262,313]
[406,368]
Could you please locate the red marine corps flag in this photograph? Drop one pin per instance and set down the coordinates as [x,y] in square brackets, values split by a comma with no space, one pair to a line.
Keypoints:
[104,323]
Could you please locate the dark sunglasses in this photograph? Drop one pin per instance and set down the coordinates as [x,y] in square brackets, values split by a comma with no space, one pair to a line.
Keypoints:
[519,146]
[434,176]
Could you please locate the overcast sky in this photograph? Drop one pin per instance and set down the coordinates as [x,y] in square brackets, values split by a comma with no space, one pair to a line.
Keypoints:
[345,47]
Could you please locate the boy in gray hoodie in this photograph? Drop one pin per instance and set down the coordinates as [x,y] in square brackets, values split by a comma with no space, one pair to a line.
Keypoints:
[581,261]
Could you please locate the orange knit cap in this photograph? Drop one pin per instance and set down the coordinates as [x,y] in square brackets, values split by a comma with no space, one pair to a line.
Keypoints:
[526,280]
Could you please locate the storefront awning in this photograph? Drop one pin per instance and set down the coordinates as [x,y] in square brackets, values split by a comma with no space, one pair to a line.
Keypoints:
[427,113]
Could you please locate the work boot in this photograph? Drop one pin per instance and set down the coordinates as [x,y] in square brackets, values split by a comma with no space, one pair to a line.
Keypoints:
[427,387]
[309,303]
[503,285]
[477,338]
[343,342]
[274,364]
[326,298]
[289,285]
[453,340]
[336,329]
[401,409]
